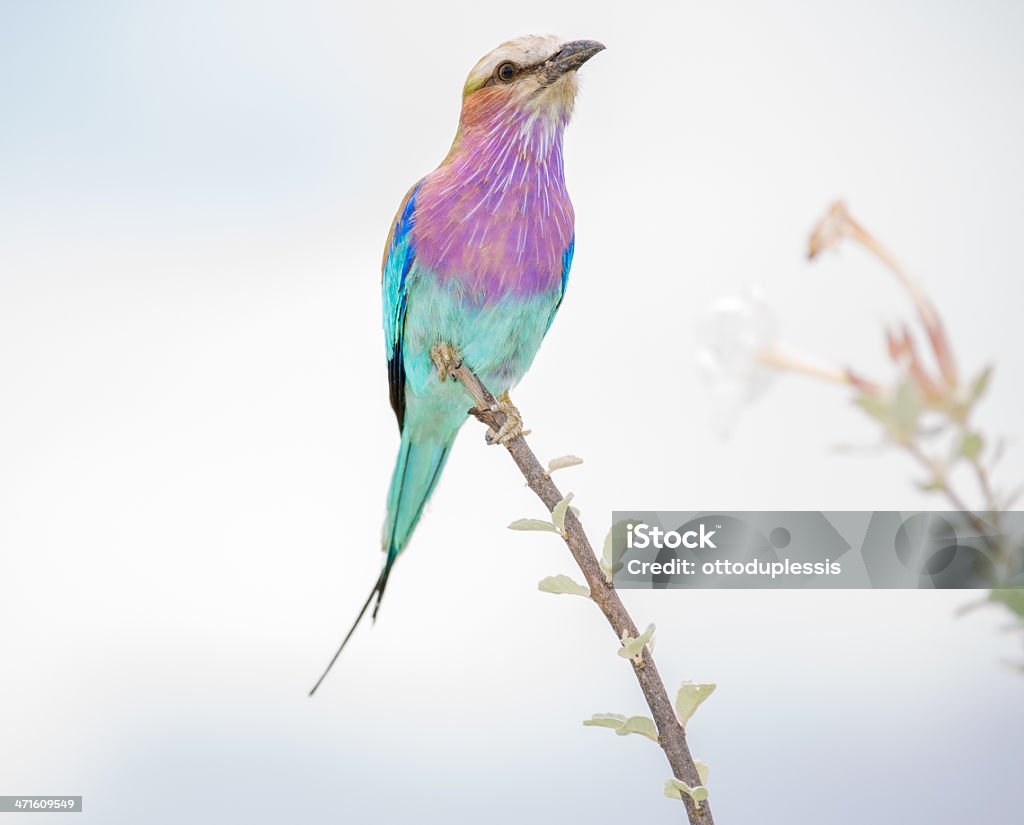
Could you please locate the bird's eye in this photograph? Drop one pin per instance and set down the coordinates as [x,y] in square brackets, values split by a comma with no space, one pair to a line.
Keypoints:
[505,72]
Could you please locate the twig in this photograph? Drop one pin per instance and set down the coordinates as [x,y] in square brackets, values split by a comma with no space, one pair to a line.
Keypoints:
[671,736]
[777,359]
[839,223]
[926,310]
[999,552]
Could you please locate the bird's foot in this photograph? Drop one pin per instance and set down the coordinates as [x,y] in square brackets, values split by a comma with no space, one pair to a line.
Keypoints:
[446,358]
[513,426]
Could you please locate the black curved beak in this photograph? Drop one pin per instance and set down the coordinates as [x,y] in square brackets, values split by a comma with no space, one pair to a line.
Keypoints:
[570,57]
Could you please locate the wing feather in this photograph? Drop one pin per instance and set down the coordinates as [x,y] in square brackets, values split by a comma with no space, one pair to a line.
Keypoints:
[566,266]
[398,260]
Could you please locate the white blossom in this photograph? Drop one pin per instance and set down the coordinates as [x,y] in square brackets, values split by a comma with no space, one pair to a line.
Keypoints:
[733,334]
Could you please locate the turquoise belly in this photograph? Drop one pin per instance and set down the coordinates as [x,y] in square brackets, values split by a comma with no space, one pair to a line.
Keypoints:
[498,340]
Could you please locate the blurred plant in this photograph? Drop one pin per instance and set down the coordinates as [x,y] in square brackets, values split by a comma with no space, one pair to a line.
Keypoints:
[925,410]
[740,358]
[734,333]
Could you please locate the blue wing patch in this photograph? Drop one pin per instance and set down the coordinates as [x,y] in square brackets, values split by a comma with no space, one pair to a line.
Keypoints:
[566,266]
[399,260]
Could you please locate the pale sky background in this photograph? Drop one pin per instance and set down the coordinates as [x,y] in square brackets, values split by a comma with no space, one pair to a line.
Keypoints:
[195,438]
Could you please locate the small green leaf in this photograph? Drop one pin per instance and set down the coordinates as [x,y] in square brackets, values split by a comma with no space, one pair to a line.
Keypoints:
[623,726]
[906,408]
[606,557]
[558,514]
[562,584]
[605,720]
[633,648]
[675,788]
[970,446]
[702,771]
[875,407]
[979,385]
[689,698]
[533,524]
[1012,598]
[607,563]
[562,462]
[639,724]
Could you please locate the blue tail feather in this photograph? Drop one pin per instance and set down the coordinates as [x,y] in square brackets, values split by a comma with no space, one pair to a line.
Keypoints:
[417,470]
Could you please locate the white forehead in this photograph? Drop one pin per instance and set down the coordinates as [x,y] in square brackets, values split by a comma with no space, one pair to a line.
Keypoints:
[527,50]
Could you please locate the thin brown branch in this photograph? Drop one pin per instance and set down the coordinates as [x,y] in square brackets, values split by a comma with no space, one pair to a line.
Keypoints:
[985,483]
[671,736]
[998,550]
[940,478]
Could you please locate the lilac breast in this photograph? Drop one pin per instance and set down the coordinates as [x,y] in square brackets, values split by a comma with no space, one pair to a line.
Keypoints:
[496,216]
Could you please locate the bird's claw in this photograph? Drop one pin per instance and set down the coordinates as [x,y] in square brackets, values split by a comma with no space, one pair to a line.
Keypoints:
[513,426]
[446,358]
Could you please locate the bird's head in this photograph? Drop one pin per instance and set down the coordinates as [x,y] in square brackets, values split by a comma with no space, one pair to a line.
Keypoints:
[531,77]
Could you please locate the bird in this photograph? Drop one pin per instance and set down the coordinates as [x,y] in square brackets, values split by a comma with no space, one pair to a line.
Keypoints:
[475,267]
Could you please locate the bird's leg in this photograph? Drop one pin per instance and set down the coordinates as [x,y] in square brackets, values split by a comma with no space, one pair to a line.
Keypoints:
[513,426]
[445,358]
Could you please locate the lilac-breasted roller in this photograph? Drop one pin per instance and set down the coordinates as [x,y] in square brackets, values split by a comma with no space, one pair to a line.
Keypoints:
[476,265]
